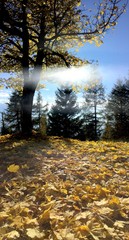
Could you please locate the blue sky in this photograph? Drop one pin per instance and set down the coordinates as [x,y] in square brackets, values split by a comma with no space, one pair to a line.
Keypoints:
[112,56]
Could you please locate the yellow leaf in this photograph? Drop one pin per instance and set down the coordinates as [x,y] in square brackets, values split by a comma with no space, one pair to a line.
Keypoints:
[84,197]
[108,26]
[26,210]
[101,12]
[82,215]
[76,207]
[101,203]
[79,3]
[13,168]
[30,221]
[13,234]
[49,198]
[105,210]
[17,221]
[3,215]
[63,190]
[48,205]
[109,230]
[25,166]
[123,214]
[45,216]
[34,233]
[64,234]
[29,15]
[76,198]
[54,216]
[105,190]
[119,224]
[114,201]
[83,228]
[121,171]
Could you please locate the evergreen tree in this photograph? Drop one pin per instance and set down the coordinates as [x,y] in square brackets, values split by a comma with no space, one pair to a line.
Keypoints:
[94,99]
[39,110]
[13,115]
[4,128]
[118,110]
[63,119]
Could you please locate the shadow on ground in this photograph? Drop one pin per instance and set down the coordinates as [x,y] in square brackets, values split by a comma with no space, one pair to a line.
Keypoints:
[28,153]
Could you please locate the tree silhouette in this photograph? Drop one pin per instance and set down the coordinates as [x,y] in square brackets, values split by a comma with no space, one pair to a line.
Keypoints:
[38,111]
[13,115]
[118,110]
[94,99]
[63,119]
[4,128]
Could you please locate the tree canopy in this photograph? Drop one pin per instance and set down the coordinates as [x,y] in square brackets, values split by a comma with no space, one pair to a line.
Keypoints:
[35,32]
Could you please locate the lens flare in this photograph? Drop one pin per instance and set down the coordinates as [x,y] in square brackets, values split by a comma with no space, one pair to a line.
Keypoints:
[72,76]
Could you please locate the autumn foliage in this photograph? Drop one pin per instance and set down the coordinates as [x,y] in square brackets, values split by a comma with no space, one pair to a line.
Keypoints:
[62,189]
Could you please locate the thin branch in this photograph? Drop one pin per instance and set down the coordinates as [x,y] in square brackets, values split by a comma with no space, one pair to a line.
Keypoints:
[5,17]
[62,57]
[16,45]
[14,58]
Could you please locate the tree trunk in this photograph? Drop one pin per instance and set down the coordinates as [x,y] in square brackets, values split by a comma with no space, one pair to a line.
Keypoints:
[27,102]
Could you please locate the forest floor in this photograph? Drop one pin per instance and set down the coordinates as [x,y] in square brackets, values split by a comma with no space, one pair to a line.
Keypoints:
[63,189]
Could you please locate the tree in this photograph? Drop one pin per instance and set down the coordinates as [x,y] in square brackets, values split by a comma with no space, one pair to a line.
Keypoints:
[39,33]
[13,115]
[4,128]
[63,119]
[94,99]
[39,110]
[118,110]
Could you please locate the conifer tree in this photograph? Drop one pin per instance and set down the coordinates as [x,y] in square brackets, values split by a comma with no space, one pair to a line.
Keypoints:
[118,110]
[13,115]
[4,128]
[39,110]
[63,119]
[94,99]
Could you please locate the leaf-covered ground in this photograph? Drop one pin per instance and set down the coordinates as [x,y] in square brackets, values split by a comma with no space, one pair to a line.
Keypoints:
[59,189]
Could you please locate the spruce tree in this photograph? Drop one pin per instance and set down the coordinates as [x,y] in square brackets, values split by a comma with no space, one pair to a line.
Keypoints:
[94,99]
[118,110]
[39,110]
[4,128]
[13,114]
[63,119]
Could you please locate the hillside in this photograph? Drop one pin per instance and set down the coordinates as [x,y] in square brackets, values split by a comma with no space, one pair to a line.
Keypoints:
[61,189]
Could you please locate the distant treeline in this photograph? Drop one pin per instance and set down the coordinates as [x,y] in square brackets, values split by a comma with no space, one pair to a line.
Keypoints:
[98,116]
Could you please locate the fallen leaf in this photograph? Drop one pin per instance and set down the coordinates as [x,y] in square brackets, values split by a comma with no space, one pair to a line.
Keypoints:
[13,168]
[13,235]
[34,233]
